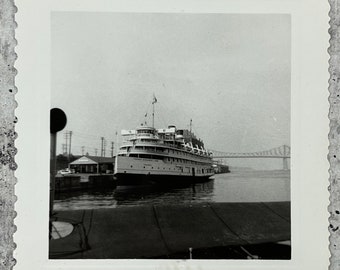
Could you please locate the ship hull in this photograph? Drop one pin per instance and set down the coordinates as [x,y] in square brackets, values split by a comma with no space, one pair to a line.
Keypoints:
[126,180]
[131,171]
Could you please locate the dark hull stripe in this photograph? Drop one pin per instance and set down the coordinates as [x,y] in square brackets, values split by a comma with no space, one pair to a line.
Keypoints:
[124,179]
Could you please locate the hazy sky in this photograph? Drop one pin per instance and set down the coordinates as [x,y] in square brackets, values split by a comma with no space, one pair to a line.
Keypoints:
[230,74]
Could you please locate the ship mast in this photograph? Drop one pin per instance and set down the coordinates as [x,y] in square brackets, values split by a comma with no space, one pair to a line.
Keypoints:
[190,130]
[153,110]
[153,115]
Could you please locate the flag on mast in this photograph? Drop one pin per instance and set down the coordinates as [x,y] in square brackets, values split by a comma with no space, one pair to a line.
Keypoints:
[154,99]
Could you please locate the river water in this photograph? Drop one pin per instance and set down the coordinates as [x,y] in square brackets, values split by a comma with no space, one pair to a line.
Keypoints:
[237,186]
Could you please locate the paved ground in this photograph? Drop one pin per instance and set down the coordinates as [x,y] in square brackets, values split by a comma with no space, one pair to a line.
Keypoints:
[161,231]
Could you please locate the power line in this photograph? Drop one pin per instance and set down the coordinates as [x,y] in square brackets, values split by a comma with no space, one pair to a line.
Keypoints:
[85,134]
[69,145]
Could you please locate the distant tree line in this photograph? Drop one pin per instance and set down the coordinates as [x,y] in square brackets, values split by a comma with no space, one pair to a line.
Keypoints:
[63,161]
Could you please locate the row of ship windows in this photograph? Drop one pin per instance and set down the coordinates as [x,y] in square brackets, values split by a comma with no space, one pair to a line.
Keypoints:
[172,142]
[145,131]
[182,169]
[158,149]
[179,160]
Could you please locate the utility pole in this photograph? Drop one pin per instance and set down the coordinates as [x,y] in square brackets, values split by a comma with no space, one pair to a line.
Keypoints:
[66,141]
[102,147]
[69,149]
[112,149]
[117,143]
[82,150]
[64,148]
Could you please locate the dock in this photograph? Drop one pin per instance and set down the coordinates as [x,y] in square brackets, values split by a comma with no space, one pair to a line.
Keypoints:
[162,231]
[74,182]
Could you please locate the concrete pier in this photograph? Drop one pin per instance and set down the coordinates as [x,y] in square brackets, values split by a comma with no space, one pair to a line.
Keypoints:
[74,182]
[161,231]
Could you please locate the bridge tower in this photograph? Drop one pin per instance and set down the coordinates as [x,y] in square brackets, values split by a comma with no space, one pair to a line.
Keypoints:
[285,159]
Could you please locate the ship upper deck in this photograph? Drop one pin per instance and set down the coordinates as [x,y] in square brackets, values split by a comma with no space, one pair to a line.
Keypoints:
[148,139]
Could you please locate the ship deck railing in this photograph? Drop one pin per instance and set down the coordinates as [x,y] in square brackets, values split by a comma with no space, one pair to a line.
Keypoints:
[141,151]
[190,151]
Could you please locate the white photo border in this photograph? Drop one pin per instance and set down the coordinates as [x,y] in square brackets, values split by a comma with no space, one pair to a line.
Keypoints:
[309,128]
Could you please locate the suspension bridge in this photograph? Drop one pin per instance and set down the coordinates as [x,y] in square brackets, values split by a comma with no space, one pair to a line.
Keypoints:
[282,151]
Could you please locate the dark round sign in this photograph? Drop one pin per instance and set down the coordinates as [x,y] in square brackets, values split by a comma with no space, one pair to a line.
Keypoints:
[57,120]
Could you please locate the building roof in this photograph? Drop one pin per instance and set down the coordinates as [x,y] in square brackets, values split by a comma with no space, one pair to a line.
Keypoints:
[88,160]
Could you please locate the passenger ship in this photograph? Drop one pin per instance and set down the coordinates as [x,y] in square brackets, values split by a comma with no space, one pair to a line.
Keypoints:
[161,156]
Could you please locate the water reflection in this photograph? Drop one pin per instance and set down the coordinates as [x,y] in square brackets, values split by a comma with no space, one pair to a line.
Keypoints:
[165,195]
[249,186]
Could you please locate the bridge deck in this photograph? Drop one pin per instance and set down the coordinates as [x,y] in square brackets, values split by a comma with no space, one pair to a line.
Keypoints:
[282,151]
[249,156]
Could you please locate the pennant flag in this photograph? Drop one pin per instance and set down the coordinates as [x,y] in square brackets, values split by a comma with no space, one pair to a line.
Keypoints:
[154,99]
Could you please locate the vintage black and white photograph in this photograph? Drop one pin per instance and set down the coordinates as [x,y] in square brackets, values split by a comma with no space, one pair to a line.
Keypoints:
[170,136]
